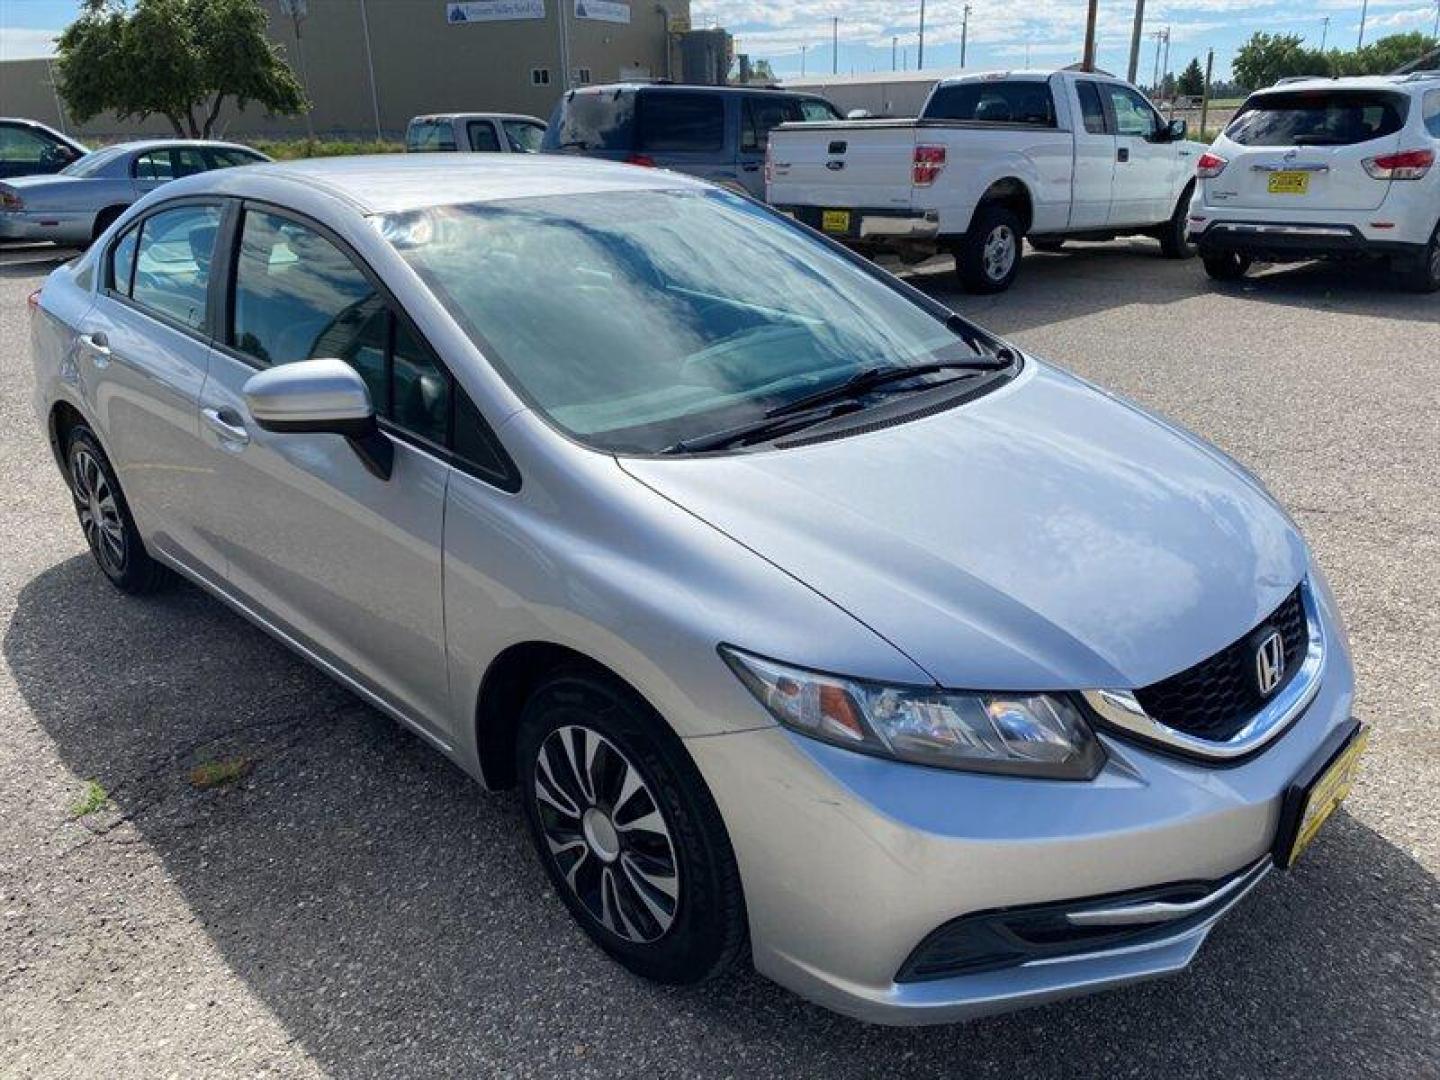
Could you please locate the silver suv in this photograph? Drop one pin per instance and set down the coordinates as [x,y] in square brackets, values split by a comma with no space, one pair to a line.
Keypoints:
[813,624]
[1326,168]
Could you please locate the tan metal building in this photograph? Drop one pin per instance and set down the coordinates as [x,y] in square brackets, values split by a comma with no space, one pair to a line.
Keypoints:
[370,64]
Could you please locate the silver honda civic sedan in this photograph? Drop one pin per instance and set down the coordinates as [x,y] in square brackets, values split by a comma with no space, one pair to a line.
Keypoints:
[815,626]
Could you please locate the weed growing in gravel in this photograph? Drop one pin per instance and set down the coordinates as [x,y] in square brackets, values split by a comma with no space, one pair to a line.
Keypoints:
[93,798]
[214,774]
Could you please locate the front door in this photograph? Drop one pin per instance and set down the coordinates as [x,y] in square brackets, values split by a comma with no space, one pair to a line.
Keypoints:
[142,357]
[1145,162]
[344,561]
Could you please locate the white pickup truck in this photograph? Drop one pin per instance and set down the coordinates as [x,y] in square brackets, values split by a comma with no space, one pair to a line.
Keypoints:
[992,159]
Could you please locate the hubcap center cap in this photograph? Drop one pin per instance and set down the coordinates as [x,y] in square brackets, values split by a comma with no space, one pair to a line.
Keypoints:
[600,834]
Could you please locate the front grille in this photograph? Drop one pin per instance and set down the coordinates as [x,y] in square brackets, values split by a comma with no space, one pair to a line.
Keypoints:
[1217,697]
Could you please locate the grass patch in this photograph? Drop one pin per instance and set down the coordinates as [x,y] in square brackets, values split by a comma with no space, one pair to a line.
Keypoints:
[214,774]
[290,149]
[93,798]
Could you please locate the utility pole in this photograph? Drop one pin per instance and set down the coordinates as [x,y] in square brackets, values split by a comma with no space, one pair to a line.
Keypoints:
[1364,10]
[1205,100]
[1092,12]
[297,10]
[1436,32]
[965,30]
[802,58]
[920,57]
[1159,36]
[835,45]
[894,53]
[370,66]
[1325,29]
[1135,35]
[1165,72]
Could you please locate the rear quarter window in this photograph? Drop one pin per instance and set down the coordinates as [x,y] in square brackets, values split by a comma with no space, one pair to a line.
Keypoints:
[604,120]
[1318,118]
[682,122]
[994,102]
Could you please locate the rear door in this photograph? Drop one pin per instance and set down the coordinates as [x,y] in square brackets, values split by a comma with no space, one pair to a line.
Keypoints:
[688,131]
[1305,149]
[1094,175]
[143,358]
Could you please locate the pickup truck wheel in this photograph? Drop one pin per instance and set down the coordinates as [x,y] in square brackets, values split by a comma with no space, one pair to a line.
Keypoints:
[1174,243]
[988,259]
[1225,265]
[1423,275]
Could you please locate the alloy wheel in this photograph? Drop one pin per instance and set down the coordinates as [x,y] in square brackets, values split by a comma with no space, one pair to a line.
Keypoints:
[1000,250]
[99,513]
[607,834]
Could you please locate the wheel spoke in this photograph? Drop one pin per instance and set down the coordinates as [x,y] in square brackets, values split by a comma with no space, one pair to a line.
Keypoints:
[635,887]
[650,823]
[552,791]
[567,740]
[668,884]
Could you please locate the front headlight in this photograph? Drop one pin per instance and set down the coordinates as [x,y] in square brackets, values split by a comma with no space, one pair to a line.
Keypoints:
[1039,735]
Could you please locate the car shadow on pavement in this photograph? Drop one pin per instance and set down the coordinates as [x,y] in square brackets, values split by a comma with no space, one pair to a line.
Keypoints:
[390,913]
[1087,279]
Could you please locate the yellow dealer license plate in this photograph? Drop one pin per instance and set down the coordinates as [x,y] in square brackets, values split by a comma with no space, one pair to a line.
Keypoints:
[1326,794]
[837,221]
[1289,183]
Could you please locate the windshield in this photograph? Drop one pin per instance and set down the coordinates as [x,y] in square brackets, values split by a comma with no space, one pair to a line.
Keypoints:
[1317,118]
[92,163]
[636,320]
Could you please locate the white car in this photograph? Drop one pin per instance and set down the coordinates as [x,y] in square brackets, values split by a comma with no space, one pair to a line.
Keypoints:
[483,133]
[992,159]
[1326,168]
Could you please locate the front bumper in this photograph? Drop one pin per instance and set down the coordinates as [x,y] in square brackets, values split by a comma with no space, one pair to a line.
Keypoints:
[849,862]
[1278,241]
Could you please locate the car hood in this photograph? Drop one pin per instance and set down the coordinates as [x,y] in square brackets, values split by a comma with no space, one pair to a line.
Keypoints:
[1045,536]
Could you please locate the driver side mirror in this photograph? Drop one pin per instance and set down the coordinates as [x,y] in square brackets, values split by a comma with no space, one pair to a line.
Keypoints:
[320,397]
[1177,131]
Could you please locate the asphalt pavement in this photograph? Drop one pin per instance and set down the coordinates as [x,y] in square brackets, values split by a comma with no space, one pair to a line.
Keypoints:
[353,905]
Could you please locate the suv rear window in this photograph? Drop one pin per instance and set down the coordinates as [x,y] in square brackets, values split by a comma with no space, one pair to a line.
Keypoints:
[593,121]
[1318,118]
[682,121]
[993,102]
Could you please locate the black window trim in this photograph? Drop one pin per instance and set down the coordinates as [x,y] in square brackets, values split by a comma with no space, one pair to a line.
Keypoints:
[506,477]
[106,288]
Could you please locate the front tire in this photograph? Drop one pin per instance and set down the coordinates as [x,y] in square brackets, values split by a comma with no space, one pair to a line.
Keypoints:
[628,832]
[1225,265]
[988,259]
[1174,241]
[105,517]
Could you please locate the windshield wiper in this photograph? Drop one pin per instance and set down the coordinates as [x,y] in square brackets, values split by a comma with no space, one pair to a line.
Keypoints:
[862,382]
[752,431]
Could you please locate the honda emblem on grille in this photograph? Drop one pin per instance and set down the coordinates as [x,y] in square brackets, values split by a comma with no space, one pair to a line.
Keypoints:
[1270,663]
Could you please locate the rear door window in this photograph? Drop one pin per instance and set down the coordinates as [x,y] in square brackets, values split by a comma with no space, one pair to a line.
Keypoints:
[1091,109]
[172,263]
[156,165]
[762,114]
[1026,102]
[428,136]
[1318,118]
[681,122]
[481,134]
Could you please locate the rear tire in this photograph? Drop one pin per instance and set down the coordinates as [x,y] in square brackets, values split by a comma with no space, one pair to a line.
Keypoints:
[988,259]
[1226,265]
[1423,275]
[105,517]
[1047,246]
[1174,244]
[615,874]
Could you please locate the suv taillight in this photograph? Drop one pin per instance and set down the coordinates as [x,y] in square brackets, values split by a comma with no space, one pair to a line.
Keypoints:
[1210,166]
[1406,165]
[643,160]
[929,163]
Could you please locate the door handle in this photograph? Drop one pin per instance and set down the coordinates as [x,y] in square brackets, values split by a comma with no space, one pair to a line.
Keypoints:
[1123,154]
[98,346]
[751,166]
[226,424]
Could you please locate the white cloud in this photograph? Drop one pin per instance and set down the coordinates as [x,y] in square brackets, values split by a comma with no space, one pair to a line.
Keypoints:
[22,43]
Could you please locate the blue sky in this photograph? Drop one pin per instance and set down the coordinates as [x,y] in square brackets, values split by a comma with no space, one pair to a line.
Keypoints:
[999,31]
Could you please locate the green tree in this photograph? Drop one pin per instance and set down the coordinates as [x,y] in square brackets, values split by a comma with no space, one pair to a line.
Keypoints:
[1192,79]
[1266,58]
[180,59]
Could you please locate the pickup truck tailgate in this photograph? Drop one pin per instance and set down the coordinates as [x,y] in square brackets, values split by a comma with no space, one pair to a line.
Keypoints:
[856,165]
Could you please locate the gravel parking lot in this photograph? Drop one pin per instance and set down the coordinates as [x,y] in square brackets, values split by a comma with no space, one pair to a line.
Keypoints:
[355,906]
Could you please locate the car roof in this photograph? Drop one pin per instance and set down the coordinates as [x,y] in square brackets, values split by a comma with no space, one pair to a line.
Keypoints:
[160,144]
[1420,80]
[390,183]
[475,116]
[688,88]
